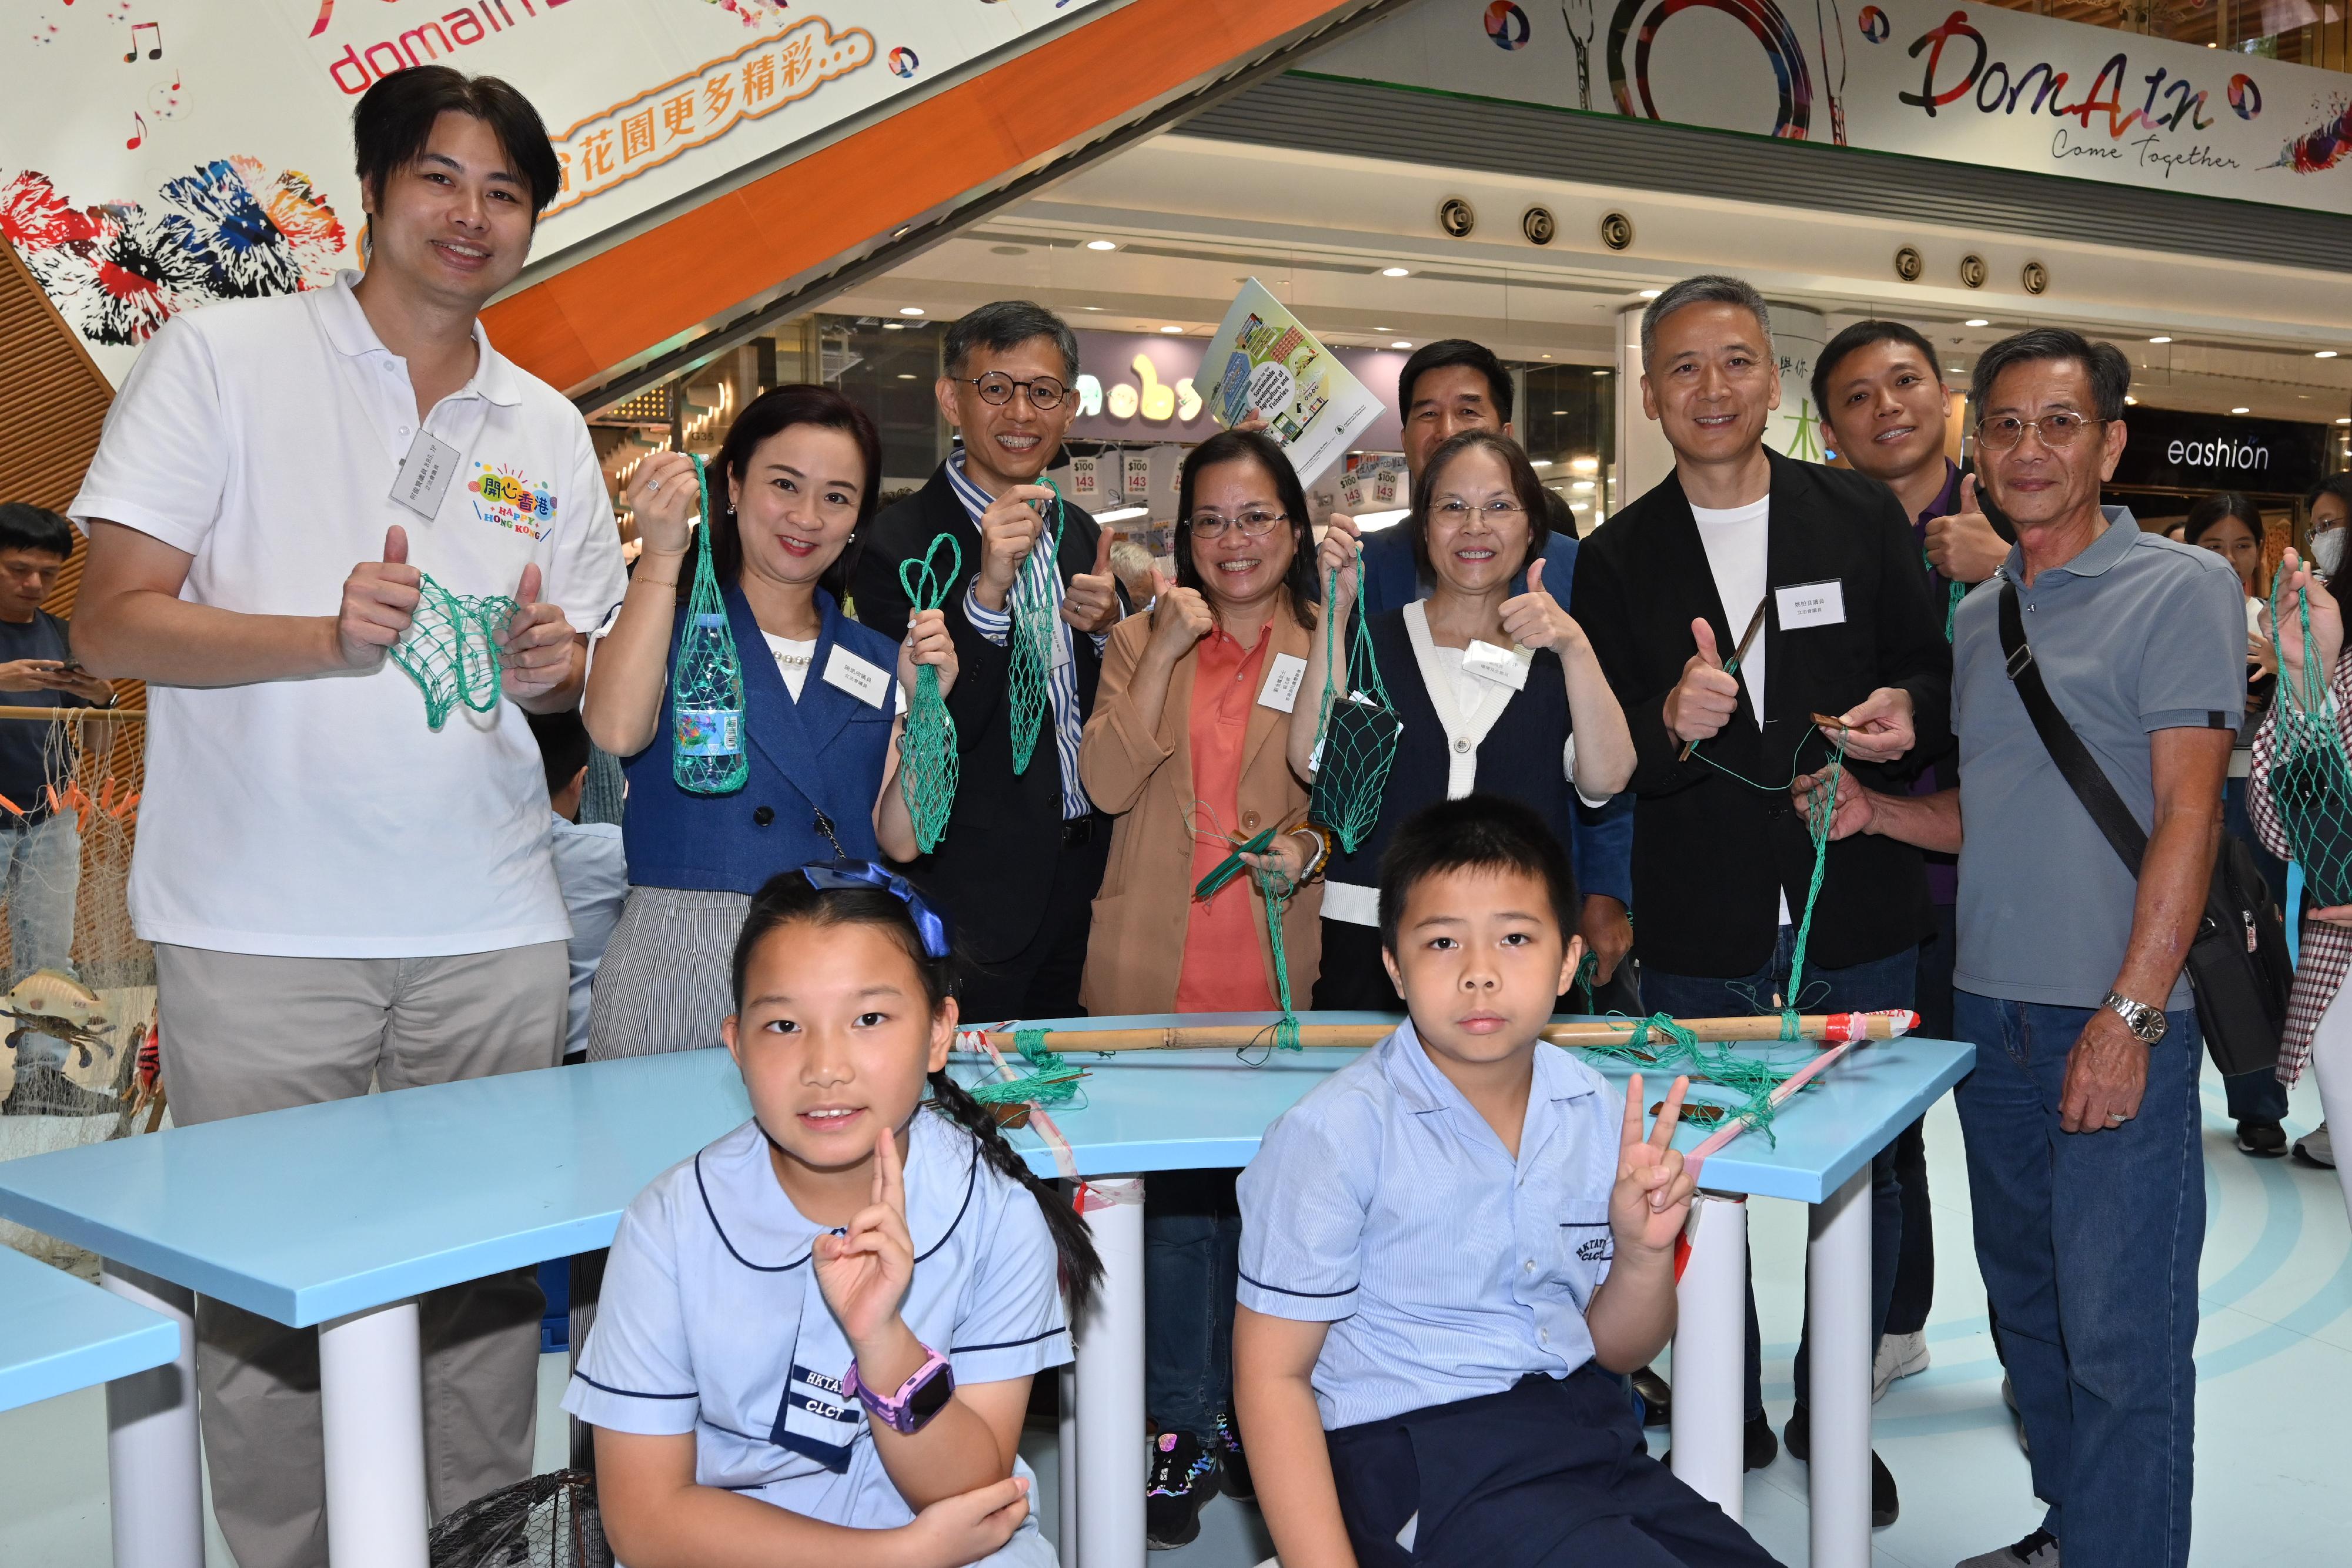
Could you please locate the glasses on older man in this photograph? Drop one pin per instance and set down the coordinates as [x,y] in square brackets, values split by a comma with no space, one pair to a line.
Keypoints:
[997,388]
[1253,524]
[2002,432]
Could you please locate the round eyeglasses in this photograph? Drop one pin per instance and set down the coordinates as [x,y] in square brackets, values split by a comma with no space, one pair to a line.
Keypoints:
[1253,524]
[996,388]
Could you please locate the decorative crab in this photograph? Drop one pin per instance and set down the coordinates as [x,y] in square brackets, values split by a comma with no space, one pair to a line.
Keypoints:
[49,1002]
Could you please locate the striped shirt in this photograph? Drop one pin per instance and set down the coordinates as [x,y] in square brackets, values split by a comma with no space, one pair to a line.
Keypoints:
[1383,1205]
[996,625]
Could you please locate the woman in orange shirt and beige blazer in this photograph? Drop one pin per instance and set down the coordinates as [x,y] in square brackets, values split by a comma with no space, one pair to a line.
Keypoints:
[1186,746]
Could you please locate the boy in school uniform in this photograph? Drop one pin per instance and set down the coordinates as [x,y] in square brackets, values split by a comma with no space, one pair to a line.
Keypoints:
[1455,1248]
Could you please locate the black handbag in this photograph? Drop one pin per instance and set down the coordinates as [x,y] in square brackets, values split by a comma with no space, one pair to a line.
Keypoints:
[2238,966]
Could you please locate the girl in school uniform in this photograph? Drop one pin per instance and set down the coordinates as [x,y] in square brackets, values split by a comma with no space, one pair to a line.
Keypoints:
[818,1335]
[792,486]
[1491,686]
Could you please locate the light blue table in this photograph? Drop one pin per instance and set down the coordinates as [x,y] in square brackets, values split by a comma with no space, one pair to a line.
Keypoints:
[63,1333]
[341,1214]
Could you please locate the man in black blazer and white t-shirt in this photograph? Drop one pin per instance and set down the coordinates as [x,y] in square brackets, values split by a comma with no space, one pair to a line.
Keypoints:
[1723,858]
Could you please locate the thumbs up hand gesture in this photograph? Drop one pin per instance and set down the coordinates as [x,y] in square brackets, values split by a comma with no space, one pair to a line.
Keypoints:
[1091,602]
[1703,701]
[1180,618]
[535,650]
[1963,545]
[379,600]
[1536,619]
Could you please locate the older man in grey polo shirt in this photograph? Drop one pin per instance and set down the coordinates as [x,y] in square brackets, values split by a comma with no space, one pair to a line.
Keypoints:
[2084,1163]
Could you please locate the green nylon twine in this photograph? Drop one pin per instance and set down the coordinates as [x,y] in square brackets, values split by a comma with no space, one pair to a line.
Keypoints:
[1356,734]
[1033,638]
[1748,1079]
[2310,775]
[929,771]
[706,753]
[1051,1081]
[1276,888]
[451,649]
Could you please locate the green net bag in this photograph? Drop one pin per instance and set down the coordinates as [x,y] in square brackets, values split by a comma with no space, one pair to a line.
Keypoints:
[451,650]
[2310,778]
[927,769]
[1033,639]
[1357,732]
[707,755]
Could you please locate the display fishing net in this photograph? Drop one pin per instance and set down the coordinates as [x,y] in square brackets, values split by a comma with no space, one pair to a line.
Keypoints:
[547,1522]
[707,755]
[1356,733]
[1032,636]
[928,768]
[1725,1082]
[78,1057]
[2310,776]
[451,649]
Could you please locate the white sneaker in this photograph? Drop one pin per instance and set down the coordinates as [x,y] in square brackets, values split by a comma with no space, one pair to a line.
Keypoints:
[1899,1355]
[2317,1147]
[2039,1550]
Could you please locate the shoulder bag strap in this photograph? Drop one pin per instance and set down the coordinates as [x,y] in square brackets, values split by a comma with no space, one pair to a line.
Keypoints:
[2075,764]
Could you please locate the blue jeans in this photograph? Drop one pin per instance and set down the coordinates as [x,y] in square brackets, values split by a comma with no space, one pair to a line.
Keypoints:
[1880,983]
[2088,1243]
[1192,1262]
[40,872]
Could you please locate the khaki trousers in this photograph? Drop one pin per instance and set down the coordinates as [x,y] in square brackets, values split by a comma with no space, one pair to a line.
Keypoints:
[242,1034]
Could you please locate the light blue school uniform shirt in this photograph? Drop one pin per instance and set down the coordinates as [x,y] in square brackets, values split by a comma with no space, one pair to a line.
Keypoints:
[1383,1205]
[701,1322]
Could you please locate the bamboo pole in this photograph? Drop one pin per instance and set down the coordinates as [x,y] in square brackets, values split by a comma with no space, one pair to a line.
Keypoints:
[75,713]
[1600,1031]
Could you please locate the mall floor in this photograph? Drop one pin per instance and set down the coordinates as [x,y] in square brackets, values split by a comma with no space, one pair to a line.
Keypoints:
[2275,1363]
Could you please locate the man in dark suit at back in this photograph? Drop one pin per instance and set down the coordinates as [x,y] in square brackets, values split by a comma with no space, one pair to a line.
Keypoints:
[1024,851]
[1823,562]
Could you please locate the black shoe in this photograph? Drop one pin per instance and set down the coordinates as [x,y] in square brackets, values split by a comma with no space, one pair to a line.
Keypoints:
[2263,1140]
[1233,1465]
[1759,1447]
[1182,1479]
[1885,1506]
[1658,1401]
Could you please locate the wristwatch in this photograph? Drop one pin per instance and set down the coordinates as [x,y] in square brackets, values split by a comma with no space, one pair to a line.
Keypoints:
[2146,1023]
[924,1395]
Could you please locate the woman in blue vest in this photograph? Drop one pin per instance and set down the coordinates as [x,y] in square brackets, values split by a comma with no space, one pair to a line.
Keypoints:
[824,707]
[1497,692]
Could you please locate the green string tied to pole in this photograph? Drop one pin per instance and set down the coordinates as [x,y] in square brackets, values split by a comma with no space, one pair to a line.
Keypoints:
[1276,888]
[2310,774]
[706,750]
[929,771]
[1356,732]
[1051,1081]
[451,650]
[1033,637]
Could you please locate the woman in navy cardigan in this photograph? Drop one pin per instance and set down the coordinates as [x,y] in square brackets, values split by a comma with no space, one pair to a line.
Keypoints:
[825,703]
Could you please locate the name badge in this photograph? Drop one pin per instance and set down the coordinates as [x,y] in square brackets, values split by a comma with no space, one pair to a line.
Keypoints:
[1065,642]
[425,475]
[860,678]
[1503,667]
[1280,692]
[1806,605]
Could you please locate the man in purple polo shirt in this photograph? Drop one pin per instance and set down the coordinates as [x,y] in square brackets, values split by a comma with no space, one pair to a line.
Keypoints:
[1890,412]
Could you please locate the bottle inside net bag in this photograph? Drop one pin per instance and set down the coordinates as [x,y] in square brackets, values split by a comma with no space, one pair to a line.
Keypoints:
[707,684]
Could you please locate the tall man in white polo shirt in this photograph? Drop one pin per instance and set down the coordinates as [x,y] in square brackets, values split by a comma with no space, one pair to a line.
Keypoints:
[338,894]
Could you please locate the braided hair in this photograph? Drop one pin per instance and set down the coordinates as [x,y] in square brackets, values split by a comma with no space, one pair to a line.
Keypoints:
[791,898]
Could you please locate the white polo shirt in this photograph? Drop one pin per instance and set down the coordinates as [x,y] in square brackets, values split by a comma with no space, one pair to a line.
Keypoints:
[323,817]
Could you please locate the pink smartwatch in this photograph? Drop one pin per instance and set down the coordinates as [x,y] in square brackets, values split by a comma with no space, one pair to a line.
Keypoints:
[924,1395]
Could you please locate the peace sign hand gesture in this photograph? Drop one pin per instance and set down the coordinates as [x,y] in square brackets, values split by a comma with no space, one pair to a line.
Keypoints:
[1652,1195]
[865,1270]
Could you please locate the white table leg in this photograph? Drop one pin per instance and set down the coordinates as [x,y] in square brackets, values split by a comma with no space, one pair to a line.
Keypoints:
[1837,1292]
[372,1400]
[1066,1457]
[1710,1354]
[1110,1444]
[155,1486]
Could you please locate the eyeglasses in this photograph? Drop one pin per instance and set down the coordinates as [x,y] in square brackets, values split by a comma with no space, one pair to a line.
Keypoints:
[1253,524]
[2057,429]
[997,388]
[1494,511]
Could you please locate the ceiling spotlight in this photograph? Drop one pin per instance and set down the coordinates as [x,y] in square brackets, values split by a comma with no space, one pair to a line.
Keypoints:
[893,326]
[1399,343]
[1976,321]
[2160,340]
[1171,328]
[1596,372]
[1557,413]
[910,310]
[1102,244]
[2324,354]
[1582,486]
[1396,272]
[1585,464]
[2344,422]
[1383,328]
[1651,293]
[1540,463]
[906,375]
[2242,410]
[1089,307]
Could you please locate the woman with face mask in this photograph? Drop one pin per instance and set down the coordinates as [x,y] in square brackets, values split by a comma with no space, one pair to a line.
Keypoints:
[2330,509]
